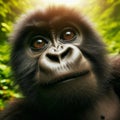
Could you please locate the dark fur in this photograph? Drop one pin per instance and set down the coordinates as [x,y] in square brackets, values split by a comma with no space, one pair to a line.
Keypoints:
[87,104]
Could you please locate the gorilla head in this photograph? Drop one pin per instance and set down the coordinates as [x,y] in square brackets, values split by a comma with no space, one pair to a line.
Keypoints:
[57,56]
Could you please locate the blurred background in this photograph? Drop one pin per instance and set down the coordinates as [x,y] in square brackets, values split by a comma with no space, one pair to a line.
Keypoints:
[104,14]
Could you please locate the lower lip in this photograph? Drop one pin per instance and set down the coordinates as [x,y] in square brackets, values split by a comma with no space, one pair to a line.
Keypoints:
[72,79]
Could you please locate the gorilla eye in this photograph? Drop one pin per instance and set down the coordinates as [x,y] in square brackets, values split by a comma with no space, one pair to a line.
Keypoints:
[68,35]
[38,43]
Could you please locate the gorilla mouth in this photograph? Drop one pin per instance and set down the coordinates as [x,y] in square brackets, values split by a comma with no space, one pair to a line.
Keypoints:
[67,78]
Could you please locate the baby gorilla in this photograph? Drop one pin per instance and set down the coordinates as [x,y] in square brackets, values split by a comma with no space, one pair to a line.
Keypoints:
[61,67]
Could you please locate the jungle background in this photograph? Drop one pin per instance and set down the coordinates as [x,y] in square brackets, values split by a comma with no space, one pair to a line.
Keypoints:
[104,14]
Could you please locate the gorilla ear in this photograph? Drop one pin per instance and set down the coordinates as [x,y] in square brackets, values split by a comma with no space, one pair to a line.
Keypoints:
[115,62]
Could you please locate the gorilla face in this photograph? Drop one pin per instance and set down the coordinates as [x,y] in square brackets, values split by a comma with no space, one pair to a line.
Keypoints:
[58,57]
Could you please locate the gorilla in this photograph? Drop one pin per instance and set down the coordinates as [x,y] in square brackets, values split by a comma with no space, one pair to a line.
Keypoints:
[62,68]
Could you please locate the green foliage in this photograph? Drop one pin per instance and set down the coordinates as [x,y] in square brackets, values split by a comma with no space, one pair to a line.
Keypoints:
[5,75]
[104,13]
[106,16]
[110,24]
[9,9]
[7,89]
[7,17]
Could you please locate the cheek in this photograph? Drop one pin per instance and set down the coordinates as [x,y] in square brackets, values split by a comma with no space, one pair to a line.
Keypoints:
[23,65]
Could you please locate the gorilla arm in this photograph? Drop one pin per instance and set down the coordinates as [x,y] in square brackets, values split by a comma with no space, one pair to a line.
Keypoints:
[115,62]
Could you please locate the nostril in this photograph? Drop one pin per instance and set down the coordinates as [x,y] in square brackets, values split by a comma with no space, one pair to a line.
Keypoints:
[66,53]
[52,57]
[58,56]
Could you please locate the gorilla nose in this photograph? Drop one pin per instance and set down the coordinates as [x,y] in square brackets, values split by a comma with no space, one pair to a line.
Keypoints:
[59,54]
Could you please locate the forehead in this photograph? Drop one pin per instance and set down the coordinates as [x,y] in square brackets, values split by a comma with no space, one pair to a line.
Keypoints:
[50,17]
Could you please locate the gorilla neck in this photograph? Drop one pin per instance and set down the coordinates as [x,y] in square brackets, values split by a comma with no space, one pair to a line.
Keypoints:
[105,108]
